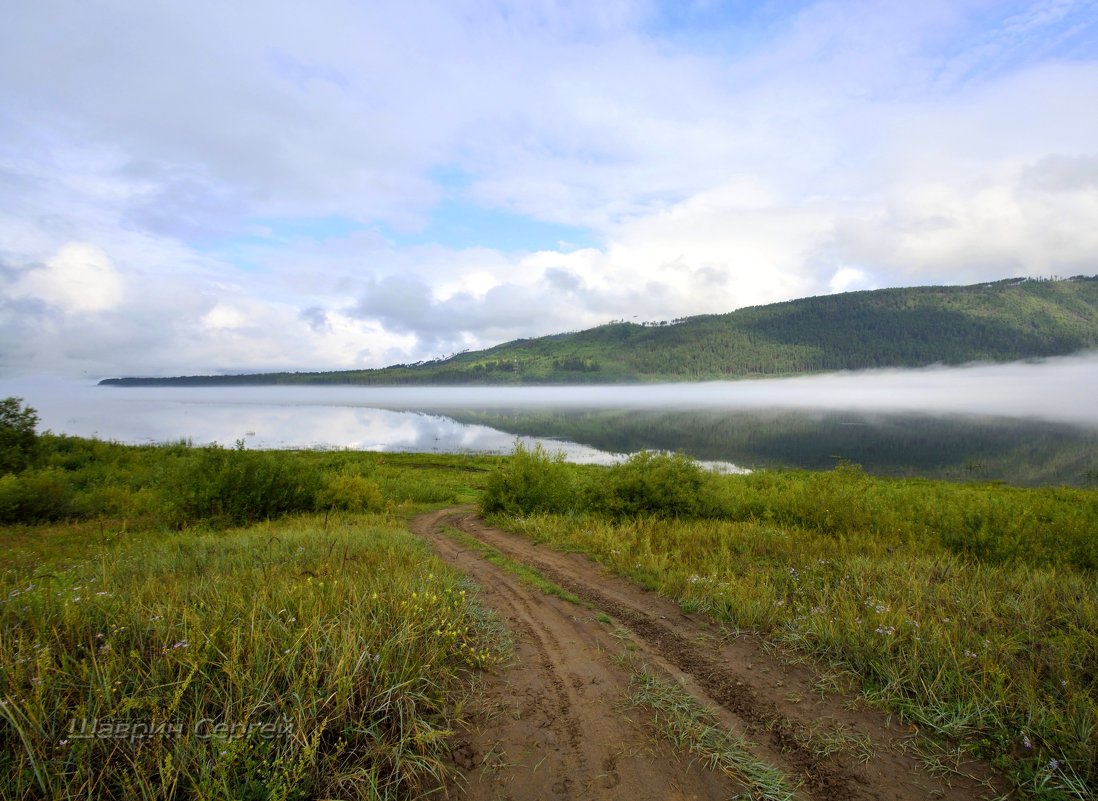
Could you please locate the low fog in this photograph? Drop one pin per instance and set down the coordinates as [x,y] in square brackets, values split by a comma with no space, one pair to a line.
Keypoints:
[1059,389]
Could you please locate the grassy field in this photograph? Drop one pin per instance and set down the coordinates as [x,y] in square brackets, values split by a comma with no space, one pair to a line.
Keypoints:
[970,609]
[192,629]
[181,622]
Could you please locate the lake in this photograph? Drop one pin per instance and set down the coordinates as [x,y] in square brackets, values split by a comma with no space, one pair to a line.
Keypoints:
[1029,423]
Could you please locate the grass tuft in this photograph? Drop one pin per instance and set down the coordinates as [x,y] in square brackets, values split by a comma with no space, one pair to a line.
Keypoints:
[689,725]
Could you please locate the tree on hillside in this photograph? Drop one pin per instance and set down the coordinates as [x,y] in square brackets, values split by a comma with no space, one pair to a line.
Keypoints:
[18,439]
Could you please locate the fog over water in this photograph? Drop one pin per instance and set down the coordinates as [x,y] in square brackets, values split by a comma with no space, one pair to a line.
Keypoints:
[1061,390]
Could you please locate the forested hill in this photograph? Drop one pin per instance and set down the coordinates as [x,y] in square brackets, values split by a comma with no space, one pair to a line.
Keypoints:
[1002,321]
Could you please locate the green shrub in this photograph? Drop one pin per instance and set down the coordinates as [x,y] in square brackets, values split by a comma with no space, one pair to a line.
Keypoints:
[531,481]
[350,491]
[234,487]
[18,440]
[659,484]
[35,496]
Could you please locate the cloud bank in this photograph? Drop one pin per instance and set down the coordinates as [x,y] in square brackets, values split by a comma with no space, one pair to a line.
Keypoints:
[209,186]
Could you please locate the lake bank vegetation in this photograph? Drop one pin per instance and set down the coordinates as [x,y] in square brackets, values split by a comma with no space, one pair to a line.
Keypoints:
[972,610]
[180,622]
[271,619]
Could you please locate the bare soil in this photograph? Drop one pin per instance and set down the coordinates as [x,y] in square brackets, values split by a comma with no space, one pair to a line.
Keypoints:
[557,722]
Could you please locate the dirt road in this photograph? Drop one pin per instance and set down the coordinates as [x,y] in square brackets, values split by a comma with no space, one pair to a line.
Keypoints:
[557,724]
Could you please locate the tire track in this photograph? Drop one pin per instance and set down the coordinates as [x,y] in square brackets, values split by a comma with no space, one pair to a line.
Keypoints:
[751,689]
[553,725]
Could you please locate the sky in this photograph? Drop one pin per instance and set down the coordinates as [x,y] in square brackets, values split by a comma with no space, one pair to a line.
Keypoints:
[210,187]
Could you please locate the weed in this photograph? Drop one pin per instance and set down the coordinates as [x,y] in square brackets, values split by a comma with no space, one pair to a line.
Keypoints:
[688,724]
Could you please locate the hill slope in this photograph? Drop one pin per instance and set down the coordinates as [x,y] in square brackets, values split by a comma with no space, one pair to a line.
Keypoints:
[1003,321]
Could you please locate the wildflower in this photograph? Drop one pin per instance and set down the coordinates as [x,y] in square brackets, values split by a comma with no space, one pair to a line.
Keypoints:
[1028,743]
[1054,764]
[970,654]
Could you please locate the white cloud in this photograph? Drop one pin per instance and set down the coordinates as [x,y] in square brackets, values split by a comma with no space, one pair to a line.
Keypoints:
[998,225]
[79,278]
[146,164]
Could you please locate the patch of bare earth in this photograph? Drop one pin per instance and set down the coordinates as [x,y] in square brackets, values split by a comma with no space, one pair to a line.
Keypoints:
[557,724]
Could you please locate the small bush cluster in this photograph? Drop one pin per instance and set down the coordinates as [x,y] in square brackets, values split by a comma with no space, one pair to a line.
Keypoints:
[178,485]
[531,481]
[657,484]
[989,523]
[235,487]
[18,436]
[535,481]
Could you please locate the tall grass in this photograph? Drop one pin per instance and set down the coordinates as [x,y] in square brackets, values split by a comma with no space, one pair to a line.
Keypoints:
[973,610]
[152,647]
[279,661]
[178,485]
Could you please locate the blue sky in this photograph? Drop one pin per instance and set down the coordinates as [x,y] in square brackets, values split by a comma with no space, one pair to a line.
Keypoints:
[207,186]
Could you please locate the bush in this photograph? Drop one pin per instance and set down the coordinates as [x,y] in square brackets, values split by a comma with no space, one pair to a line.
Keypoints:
[350,491]
[18,439]
[659,484]
[35,496]
[531,481]
[234,487]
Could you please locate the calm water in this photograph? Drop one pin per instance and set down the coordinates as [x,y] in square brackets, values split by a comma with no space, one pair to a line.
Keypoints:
[1024,423]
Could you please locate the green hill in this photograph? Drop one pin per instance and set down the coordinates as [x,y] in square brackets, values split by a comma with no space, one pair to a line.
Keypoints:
[1003,321]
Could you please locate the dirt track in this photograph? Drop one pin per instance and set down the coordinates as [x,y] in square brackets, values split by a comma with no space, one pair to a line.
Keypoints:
[557,723]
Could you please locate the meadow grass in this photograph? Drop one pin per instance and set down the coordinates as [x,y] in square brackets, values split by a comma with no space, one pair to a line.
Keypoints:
[277,631]
[282,660]
[984,633]
[176,485]
[222,623]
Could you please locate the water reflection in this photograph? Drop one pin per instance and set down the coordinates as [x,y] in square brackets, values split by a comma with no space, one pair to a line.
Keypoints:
[1018,423]
[278,420]
[956,447]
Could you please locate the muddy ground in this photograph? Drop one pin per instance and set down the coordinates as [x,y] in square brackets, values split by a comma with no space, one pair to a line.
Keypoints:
[556,723]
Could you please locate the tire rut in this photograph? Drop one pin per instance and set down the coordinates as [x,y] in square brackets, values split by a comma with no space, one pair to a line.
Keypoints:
[553,725]
[751,689]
